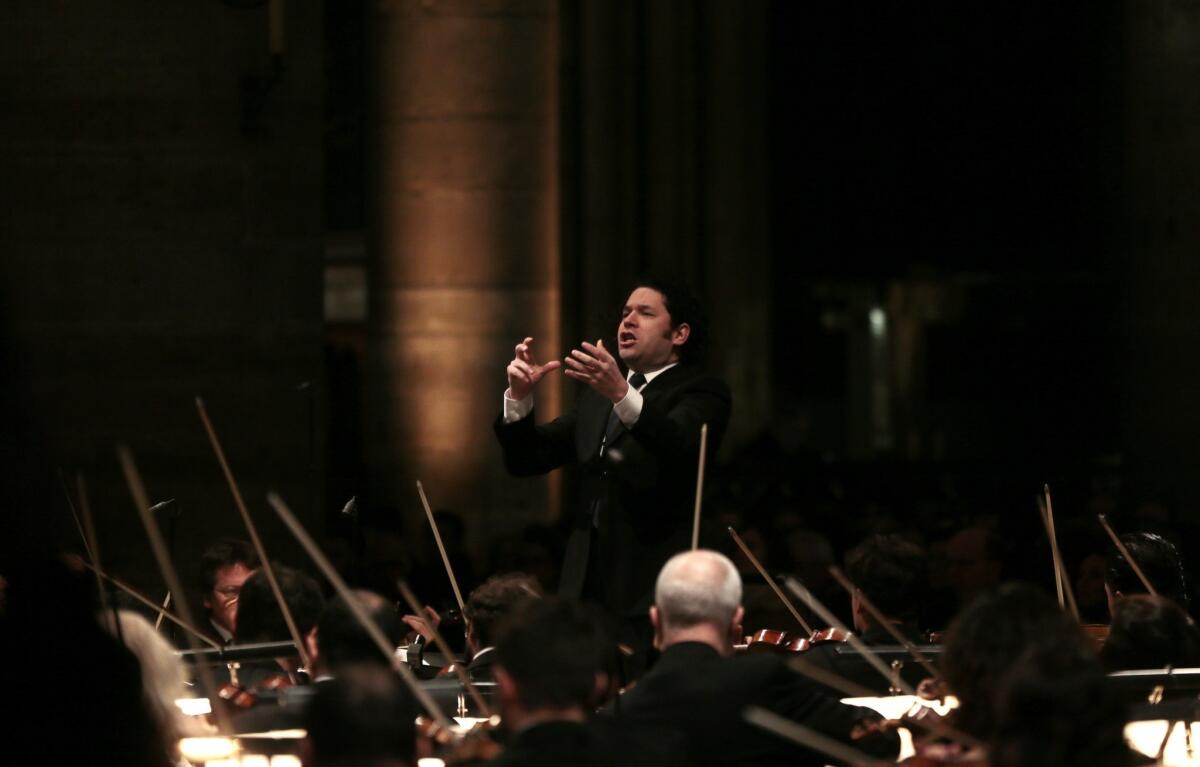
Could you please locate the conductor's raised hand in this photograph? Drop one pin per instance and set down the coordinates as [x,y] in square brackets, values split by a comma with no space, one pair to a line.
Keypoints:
[593,365]
[524,372]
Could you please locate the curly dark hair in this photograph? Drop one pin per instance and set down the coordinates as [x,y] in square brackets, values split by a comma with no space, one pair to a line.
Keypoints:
[1159,560]
[1150,632]
[495,599]
[224,552]
[890,569]
[259,618]
[986,639]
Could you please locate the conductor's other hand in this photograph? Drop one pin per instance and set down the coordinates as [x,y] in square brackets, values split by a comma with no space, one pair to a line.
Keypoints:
[524,372]
[593,365]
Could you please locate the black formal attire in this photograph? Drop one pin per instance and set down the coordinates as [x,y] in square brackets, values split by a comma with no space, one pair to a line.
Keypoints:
[480,669]
[695,690]
[638,484]
[599,743]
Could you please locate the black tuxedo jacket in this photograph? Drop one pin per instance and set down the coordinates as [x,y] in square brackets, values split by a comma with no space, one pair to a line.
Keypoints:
[637,494]
[696,691]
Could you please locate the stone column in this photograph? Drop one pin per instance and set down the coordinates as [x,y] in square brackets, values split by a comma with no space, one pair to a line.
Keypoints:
[465,258]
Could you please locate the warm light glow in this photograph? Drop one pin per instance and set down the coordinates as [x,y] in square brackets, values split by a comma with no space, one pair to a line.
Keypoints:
[194,706]
[1147,737]
[878,321]
[207,749]
[895,706]
[285,760]
[255,760]
[429,761]
[296,734]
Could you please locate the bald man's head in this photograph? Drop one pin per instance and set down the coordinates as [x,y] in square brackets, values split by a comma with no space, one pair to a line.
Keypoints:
[697,587]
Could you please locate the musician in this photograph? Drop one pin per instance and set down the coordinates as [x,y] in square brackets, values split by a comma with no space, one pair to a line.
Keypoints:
[985,640]
[636,437]
[261,620]
[1150,632]
[1160,562]
[974,563]
[224,567]
[890,571]
[698,689]
[341,640]
[488,606]
[363,717]
[342,646]
[549,672]
[1056,708]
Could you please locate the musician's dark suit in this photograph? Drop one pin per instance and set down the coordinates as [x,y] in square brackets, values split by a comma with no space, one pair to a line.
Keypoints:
[599,743]
[696,691]
[637,495]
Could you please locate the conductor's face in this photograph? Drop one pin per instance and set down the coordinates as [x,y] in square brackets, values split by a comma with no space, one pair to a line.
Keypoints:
[645,339]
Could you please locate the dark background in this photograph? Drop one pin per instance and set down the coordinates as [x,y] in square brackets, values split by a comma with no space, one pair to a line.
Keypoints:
[1013,187]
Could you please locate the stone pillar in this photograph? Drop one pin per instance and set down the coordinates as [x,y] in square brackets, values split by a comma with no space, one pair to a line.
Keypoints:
[465,251]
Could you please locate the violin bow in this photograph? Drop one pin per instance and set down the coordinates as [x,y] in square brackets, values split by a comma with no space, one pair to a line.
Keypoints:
[939,728]
[829,679]
[826,615]
[415,606]
[770,581]
[93,548]
[138,490]
[1137,569]
[883,622]
[146,601]
[253,531]
[364,619]
[162,612]
[699,486]
[437,536]
[75,515]
[1062,578]
[808,737]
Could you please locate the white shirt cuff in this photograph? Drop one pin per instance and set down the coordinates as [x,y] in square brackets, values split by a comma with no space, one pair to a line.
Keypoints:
[629,408]
[516,409]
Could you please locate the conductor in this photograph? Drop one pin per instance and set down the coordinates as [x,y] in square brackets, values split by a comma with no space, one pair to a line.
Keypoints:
[635,434]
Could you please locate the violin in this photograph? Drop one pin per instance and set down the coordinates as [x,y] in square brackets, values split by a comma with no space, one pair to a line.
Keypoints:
[242,697]
[773,640]
[476,744]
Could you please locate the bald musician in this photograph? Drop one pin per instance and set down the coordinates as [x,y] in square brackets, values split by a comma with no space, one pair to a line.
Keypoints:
[700,689]
[635,434]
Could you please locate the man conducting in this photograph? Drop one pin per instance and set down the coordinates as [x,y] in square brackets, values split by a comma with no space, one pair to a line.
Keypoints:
[635,436]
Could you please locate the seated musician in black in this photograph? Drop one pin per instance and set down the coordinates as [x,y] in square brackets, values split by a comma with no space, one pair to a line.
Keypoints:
[1150,632]
[698,689]
[1055,708]
[890,571]
[261,620]
[224,567]
[487,608]
[549,671]
[1160,563]
[341,645]
[985,641]
[363,717]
